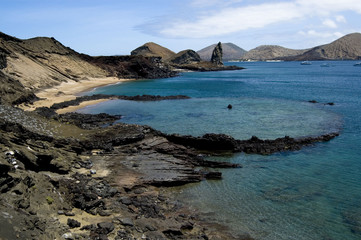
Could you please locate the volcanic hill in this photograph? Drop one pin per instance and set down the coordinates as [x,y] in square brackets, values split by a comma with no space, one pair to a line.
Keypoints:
[345,48]
[230,52]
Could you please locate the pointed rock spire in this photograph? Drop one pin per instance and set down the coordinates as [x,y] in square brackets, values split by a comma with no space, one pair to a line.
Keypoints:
[217,54]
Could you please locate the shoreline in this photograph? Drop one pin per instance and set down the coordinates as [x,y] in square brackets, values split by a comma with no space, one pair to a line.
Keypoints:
[67,91]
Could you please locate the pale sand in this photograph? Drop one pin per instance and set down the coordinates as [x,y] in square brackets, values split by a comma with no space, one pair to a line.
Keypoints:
[68,91]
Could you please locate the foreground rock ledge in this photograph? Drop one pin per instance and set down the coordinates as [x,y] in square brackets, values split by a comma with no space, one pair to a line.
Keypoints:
[61,181]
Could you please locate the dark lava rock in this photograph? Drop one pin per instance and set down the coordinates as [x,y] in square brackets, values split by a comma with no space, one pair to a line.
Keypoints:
[13,92]
[106,227]
[132,66]
[173,233]
[222,142]
[91,227]
[213,175]
[81,99]
[3,62]
[123,234]
[185,57]
[103,189]
[87,121]
[72,223]
[125,200]
[217,55]
[126,222]
[45,112]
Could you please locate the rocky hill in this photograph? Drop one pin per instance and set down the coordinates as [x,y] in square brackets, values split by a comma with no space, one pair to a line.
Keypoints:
[42,62]
[230,52]
[345,48]
[151,49]
[185,57]
[270,52]
[186,60]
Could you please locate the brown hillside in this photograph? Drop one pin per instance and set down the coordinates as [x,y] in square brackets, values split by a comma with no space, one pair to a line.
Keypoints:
[345,48]
[151,49]
[43,62]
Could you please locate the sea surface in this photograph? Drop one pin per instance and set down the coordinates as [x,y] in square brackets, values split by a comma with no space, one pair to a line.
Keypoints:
[314,193]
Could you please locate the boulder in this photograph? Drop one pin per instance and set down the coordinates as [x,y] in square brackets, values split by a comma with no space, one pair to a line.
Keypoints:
[217,54]
[106,227]
[72,223]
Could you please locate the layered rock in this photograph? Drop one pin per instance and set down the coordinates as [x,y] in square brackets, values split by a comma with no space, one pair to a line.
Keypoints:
[13,92]
[46,173]
[217,55]
[185,57]
[221,142]
[3,63]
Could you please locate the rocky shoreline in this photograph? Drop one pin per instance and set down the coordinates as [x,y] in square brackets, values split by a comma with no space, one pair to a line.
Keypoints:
[60,180]
[82,176]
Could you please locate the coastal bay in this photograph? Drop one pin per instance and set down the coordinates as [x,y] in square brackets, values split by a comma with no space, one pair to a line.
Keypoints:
[288,194]
[172,149]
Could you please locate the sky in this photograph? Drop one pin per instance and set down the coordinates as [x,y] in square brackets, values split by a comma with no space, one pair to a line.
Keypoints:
[116,27]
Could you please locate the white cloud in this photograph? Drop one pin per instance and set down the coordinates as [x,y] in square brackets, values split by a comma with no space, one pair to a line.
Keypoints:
[232,19]
[341,19]
[328,6]
[314,33]
[329,23]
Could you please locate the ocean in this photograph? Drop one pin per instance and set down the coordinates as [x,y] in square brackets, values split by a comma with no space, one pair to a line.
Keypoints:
[314,193]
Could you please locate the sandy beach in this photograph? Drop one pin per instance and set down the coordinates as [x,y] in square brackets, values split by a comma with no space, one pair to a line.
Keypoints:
[70,90]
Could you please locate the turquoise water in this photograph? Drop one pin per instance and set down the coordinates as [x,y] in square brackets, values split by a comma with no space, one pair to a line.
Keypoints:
[314,193]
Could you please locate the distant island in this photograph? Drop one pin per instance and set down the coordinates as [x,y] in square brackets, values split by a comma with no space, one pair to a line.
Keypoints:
[345,48]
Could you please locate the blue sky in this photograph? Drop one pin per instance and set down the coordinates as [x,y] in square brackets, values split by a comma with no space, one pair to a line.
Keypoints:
[112,27]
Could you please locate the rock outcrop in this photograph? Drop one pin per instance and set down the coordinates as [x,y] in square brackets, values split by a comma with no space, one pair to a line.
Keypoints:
[221,142]
[2,60]
[42,62]
[217,55]
[185,57]
[47,168]
[187,60]
[13,92]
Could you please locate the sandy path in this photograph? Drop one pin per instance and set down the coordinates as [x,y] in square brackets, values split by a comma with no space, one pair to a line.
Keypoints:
[68,91]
